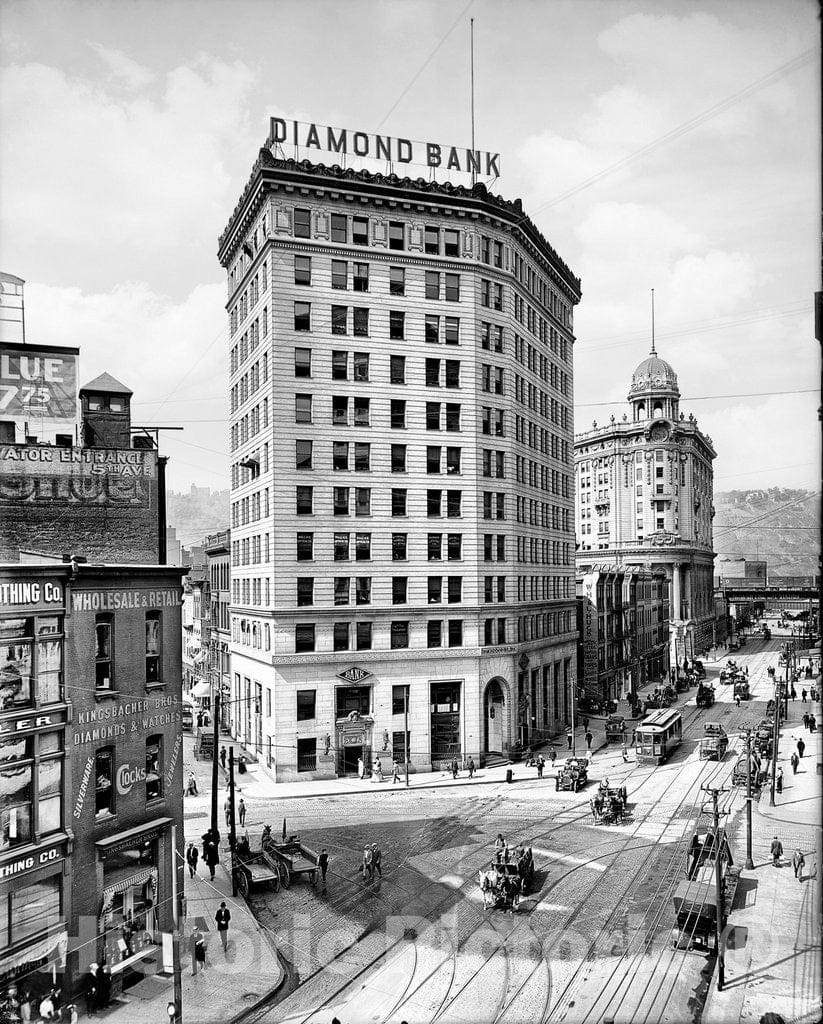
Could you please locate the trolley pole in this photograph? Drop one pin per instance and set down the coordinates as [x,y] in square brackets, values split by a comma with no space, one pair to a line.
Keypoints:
[214,773]
[719,917]
[232,831]
[406,732]
[574,701]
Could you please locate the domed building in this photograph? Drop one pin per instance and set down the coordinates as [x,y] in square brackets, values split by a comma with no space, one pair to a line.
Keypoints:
[644,504]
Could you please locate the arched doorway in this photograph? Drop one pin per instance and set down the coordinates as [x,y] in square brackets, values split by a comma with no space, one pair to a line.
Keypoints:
[494,710]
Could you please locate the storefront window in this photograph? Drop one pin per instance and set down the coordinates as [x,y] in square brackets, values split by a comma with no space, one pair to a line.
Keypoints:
[104,782]
[15,806]
[128,922]
[154,768]
[16,663]
[32,909]
[49,660]
[16,748]
[49,789]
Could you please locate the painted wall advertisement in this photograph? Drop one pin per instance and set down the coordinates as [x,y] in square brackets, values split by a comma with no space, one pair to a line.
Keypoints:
[589,632]
[38,384]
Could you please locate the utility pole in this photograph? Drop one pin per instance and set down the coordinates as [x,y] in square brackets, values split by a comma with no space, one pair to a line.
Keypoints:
[776,738]
[749,859]
[214,774]
[177,1016]
[406,731]
[232,832]
[574,701]
[719,893]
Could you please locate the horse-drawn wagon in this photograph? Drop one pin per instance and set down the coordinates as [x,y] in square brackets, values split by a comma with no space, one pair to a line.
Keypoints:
[609,804]
[573,774]
[504,882]
[293,858]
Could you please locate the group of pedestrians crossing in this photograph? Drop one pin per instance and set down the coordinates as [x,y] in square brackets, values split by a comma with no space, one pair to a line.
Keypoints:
[372,862]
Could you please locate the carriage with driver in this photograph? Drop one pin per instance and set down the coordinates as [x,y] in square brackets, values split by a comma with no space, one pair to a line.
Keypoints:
[504,882]
[609,804]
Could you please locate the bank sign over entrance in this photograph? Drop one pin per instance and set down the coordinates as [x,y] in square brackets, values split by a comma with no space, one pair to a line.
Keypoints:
[386,148]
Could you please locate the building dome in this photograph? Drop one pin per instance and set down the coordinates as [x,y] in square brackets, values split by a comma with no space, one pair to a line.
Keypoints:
[653,371]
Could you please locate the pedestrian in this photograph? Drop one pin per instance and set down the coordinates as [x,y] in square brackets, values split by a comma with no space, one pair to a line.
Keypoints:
[801,746]
[552,755]
[737,699]
[227,811]
[241,811]
[806,718]
[103,988]
[91,991]
[223,758]
[746,671]
[569,736]
[395,771]
[323,864]
[368,867]
[191,788]
[471,768]
[222,917]
[776,851]
[795,761]
[798,863]
[25,1008]
[499,846]
[378,769]
[200,951]
[779,779]
[803,695]
[625,754]
[376,858]
[540,765]
[793,692]
[210,855]
[360,768]
[589,739]
[812,723]
[192,856]
[46,1008]
[454,768]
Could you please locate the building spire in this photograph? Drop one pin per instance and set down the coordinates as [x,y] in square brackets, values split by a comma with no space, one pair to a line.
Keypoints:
[653,352]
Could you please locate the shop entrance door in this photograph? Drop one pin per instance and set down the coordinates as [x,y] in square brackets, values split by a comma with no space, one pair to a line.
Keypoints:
[350,758]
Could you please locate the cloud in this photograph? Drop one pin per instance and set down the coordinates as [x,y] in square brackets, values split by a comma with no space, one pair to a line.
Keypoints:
[143,173]
[122,67]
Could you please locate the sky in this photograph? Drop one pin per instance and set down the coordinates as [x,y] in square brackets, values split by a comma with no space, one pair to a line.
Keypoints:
[657,145]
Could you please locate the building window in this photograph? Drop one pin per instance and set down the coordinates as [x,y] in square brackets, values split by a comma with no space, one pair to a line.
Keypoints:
[361,322]
[362,501]
[399,635]
[360,278]
[341,501]
[362,590]
[341,636]
[397,281]
[397,324]
[397,369]
[305,547]
[339,319]
[452,331]
[434,633]
[341,547]
[398,501]
[342,588]
[362,456]
[302,408]
[456,633]
[30,909]
[340,455]
[453,499]
[302,456]
[435,589]
[305,591]
[452,416]
[451,242]
[434,546]
[399,699]
[453,461]
[340,410]
[452,373]
[16,805]
[432,284]
[302,270]
[302,362]
[302,223]
[360,366]
[398,547]
[433,373]
[303,500]
[154,768]
[352,698]
[455,546]
[363,631]
[433,454]
[455,589]
[431,329]
[302,316]
[433,503]
[104,782]
[397,235]
[398,413]
[431,240]
[307,755]
[360,230]
[304,637]
[339,228]
[399,587]
[104,648]
[154,633]
[452,287]
[306,705]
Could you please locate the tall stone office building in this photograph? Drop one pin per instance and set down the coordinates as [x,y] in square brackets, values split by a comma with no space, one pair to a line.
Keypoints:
[645,491]
[402,475]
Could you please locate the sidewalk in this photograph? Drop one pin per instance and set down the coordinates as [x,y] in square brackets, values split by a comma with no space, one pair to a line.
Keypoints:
[774,952]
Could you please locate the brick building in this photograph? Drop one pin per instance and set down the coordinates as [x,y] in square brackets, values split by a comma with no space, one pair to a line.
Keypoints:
[401,444]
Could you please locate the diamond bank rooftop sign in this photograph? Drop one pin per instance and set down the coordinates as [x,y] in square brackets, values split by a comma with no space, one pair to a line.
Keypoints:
[299,139]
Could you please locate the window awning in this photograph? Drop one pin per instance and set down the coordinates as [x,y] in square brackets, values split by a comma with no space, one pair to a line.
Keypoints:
[154,827]
[57,941]
[125,879]
[201,689]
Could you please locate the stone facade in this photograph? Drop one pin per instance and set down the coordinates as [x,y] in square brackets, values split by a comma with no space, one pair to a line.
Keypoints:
[401,408]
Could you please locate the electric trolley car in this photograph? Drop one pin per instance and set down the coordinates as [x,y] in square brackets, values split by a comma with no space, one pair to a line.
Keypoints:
[658,736]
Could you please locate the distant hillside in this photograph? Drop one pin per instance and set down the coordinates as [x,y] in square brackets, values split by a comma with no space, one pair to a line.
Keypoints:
[779,525]
[199,512]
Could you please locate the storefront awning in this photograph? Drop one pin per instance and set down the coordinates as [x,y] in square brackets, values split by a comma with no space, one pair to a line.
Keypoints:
[56,942]
[201,689]
[125,879]
[155,826]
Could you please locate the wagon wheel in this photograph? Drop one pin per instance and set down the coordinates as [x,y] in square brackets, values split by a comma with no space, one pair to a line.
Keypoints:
[313,877]
[285,877]
[275,882]
[242,883]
